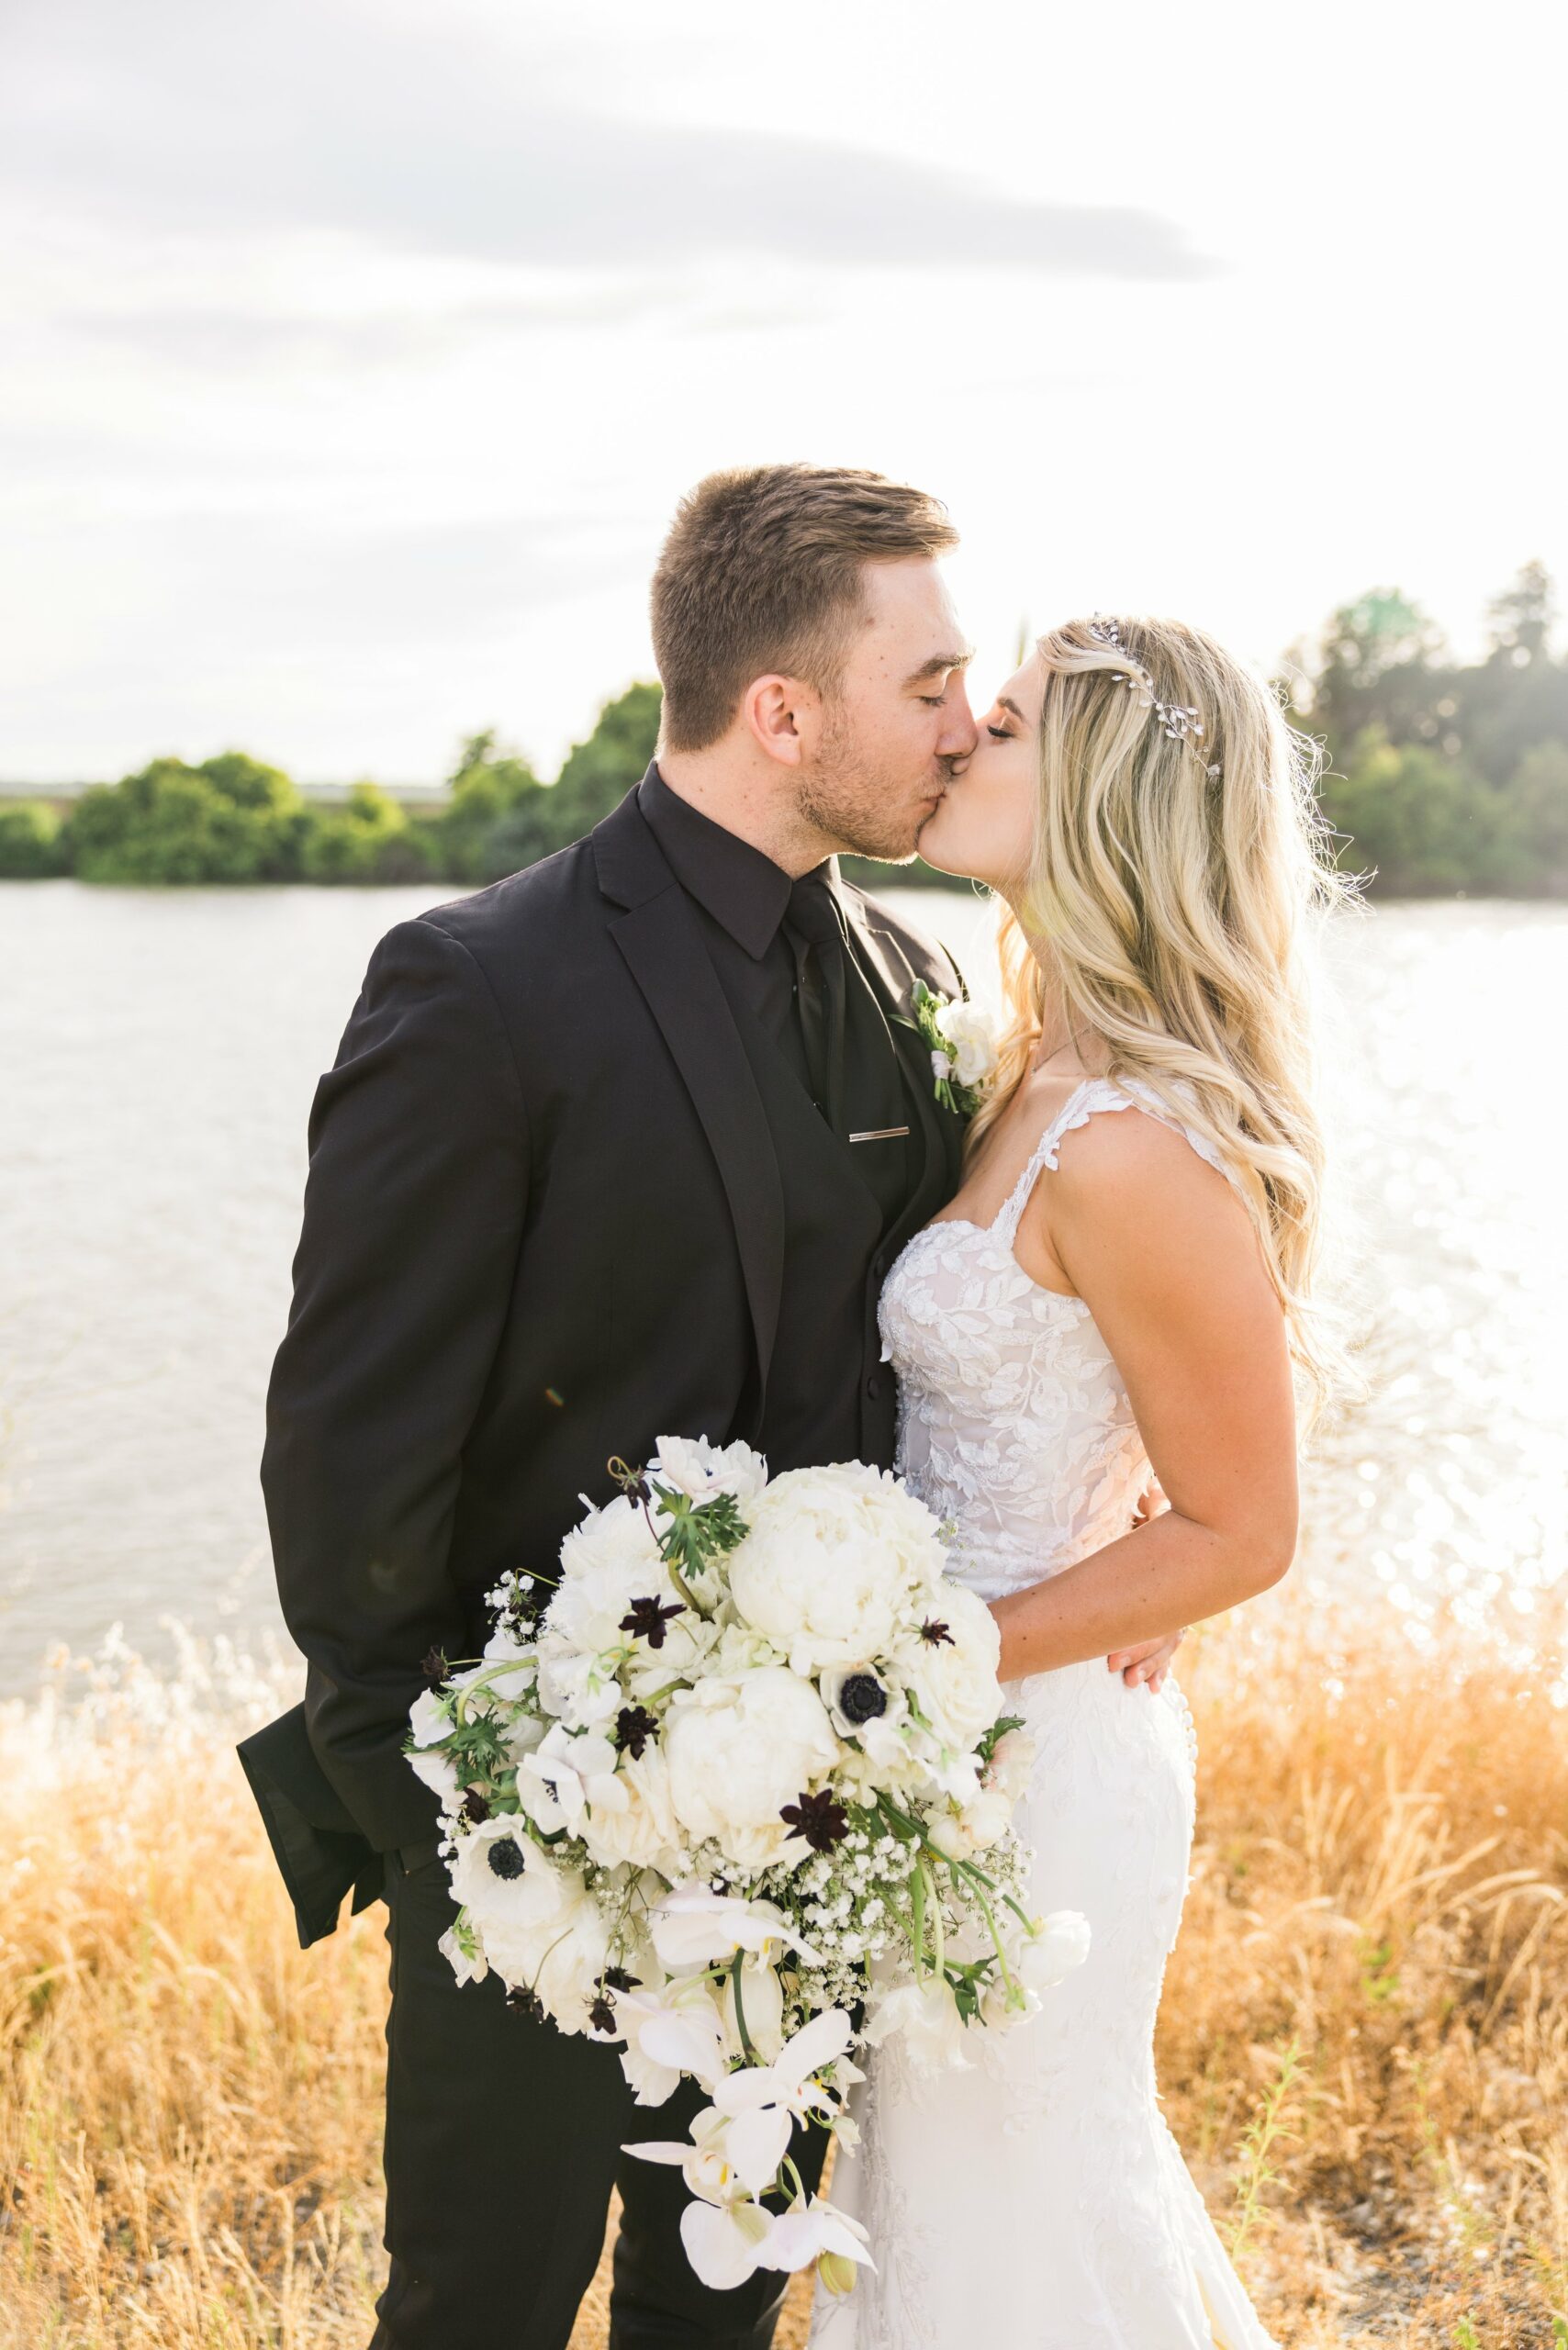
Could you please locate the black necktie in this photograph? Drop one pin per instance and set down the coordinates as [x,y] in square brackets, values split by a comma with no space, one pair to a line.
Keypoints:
[815,919]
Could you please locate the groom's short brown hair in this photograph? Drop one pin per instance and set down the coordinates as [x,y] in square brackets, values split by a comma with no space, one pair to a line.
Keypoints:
[761,571]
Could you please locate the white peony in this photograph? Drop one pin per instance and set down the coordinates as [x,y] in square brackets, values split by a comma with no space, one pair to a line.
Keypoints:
[953,1680]
[739,1751]
[973,1036]
[644,1830]
[834,1562]
[618,1535]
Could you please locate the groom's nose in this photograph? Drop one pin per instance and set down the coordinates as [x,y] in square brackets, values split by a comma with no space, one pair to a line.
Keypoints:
[960,733]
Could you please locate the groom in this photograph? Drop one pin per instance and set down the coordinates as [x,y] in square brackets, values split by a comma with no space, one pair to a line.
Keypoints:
[620,1147]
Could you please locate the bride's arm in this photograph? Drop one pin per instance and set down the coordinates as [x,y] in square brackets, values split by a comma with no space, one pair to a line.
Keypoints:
[1160,1249]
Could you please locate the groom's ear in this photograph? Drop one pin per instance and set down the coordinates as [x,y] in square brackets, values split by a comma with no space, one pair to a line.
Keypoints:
[783,716]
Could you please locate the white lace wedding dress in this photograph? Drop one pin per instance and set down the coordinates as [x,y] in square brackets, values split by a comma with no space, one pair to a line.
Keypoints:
[1037,2202]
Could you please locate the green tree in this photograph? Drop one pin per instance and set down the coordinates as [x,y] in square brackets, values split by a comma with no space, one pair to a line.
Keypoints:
[1379,663]
[1534,823]
[367,839]
[486,785]
[32,843]
[1417,821]
[228,820]
[597,775]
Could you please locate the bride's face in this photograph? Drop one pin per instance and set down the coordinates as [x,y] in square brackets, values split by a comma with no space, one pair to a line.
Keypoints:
[984,826]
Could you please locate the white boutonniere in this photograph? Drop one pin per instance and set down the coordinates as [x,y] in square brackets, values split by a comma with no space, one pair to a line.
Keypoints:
[962,1039]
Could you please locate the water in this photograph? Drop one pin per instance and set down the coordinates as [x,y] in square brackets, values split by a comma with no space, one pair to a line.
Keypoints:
[158,1052]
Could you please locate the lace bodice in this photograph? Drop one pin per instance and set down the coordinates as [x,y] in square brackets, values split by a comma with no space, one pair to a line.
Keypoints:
[1013,1421]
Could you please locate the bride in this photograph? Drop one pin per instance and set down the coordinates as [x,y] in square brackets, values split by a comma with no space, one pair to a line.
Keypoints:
[1122,1285]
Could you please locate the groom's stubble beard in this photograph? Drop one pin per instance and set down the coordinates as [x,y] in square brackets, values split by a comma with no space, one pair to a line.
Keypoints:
[862,808]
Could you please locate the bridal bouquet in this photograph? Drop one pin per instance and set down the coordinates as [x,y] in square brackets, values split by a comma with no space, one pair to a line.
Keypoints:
[738,1798]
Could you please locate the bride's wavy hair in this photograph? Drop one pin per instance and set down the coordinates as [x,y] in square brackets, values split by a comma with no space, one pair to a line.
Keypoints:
[1178,861]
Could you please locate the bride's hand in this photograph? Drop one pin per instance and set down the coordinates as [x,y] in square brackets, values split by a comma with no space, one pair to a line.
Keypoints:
[1147,1663]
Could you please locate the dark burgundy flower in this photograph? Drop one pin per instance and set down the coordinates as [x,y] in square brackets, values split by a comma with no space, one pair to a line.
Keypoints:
[616,1979]
[432,1665]
[649,1619]
[634,1727]
[601,2014]
[821,1819]
[526,2003]
[934,1633]
[862,1698]
[506,1859]
[476,1807]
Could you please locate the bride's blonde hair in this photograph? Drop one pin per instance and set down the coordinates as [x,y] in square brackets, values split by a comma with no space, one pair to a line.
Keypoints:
[1177,859]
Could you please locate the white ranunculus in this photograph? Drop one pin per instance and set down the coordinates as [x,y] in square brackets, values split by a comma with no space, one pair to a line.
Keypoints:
[644,1830]
[924,2017]
[954,1680]
[692,1466]
[973,1036]
[834,1562]
[618,1535]
[1060,1944]
[739,1751]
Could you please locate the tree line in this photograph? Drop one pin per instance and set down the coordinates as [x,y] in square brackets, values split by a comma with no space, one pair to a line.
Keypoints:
[1439,776]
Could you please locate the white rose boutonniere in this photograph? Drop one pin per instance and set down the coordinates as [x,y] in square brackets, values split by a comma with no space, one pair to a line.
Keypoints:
[962,1039]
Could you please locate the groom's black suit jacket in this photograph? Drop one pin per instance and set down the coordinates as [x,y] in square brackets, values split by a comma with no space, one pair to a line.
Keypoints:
[561,1184]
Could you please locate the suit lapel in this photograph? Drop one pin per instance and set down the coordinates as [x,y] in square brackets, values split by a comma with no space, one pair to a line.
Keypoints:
[943,1131]
[658,936]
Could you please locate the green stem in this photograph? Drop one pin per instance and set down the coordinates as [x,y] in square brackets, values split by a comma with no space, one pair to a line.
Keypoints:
[746,2048]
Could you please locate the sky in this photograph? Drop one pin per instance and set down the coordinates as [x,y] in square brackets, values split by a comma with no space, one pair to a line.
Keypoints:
[354,354]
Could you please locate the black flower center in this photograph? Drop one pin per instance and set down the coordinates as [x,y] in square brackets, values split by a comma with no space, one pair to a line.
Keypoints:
[506,1860]
[862,1698]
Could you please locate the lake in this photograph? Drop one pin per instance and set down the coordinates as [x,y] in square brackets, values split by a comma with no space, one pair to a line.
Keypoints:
[158,1053]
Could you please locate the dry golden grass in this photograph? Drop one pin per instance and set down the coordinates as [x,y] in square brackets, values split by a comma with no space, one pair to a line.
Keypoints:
[189,2104]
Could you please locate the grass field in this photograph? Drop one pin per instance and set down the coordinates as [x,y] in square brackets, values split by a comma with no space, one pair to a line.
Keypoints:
[1363,2045]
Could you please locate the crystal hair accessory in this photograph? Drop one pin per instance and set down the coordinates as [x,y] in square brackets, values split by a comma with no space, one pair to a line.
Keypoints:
[1182,724]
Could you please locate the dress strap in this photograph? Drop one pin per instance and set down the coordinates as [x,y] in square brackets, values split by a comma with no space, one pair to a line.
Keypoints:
[1094,1095]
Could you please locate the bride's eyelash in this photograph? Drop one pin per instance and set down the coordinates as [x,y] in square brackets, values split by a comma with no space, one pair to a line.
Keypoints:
[998,733]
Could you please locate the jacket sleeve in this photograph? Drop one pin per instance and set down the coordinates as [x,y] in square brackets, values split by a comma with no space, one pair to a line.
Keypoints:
[413,1216]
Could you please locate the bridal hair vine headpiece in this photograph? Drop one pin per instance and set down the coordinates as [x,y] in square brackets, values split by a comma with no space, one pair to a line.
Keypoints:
[1182,724]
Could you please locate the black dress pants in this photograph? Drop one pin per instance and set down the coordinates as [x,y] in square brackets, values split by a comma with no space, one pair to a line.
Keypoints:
[503,2143]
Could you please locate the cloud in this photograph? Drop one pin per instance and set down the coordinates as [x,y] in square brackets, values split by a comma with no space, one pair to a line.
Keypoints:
[427,135]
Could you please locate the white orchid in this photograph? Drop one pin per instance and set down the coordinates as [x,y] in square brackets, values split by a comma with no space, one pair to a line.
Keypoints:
[925,2018]
[694,1926]
[669,2030]
[725,2231]
[765,2101]
[813,2231]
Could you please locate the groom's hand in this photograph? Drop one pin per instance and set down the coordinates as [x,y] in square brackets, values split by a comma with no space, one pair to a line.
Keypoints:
[1147,1665]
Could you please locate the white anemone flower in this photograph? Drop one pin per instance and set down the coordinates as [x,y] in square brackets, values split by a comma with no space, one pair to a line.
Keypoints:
[701,1471]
